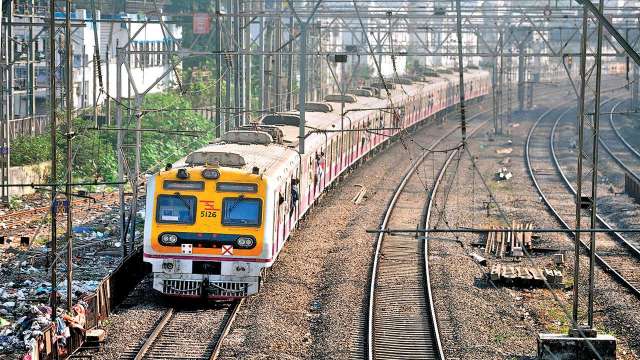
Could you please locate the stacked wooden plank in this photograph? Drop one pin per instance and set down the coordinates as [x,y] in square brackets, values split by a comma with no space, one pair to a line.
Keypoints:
[525,276]
[513,242]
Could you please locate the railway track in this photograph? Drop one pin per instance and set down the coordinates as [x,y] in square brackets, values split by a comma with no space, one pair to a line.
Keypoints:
[616,130]
[195,333]
[401,317]
[622,153]
[614,253]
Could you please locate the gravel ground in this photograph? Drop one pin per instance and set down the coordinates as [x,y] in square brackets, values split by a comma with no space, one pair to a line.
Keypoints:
[131,323]
[481,321]
[313,302]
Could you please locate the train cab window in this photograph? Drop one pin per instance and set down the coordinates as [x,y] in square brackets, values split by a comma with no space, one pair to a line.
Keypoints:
[241,211]
[176,209]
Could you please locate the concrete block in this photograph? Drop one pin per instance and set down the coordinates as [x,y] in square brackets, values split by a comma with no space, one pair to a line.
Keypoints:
[95,335]
[495,272]
[558,259]
[565,347]
[558,277]
[517,252]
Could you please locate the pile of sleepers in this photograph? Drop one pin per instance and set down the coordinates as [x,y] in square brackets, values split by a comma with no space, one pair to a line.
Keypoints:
[525,276]
[511,241]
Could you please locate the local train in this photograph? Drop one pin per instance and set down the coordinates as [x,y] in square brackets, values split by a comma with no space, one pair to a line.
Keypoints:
[217,219]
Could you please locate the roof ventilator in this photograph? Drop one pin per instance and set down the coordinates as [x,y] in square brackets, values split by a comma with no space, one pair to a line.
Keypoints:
[340,98]
[283,118]
[201,158]
[247,137]
[274,131]
[361,92]
[317,107]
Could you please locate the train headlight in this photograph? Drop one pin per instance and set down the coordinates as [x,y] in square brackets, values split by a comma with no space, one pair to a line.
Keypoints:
[211,174]
[168,239]
[245,242]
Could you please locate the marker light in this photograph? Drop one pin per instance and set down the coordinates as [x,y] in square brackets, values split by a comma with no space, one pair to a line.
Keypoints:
[245,242]
[168,239]
[211,174]
[182,174]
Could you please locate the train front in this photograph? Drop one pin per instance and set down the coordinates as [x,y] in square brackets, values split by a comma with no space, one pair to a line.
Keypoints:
[204,231]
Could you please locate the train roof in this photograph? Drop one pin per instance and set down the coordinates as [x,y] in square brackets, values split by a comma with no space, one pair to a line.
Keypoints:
[273,157]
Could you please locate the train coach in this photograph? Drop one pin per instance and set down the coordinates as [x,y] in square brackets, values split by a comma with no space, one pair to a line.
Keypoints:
[216,220]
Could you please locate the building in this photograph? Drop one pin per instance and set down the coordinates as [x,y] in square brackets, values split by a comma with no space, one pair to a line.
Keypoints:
[25,79]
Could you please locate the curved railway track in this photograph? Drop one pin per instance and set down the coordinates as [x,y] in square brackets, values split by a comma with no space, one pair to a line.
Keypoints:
[616,255]
[187,333]
[615,129]
[401,317]
[622,153]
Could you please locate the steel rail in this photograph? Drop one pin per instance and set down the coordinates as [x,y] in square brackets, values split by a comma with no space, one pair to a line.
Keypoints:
[606,147]
[226,329]
[425,222]
[380,238]
[556,162]
[154,335]
[619,135]
[170,314]
[607,267]
[383,225]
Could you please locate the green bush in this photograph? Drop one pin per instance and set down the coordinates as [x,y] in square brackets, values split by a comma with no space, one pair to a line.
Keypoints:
[94,152]
[26,150]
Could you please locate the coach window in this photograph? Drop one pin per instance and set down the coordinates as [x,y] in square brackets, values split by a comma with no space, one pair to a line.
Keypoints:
[176,209]
[241,211]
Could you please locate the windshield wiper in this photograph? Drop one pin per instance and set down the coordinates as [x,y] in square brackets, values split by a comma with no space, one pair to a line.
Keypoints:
[184,201]
[235,203]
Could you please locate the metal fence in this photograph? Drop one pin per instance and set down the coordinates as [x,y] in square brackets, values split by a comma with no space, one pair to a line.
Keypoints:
[110,293]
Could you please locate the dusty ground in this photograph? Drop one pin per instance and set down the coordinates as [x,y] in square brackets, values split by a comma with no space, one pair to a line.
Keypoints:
[474,309]
[313,301]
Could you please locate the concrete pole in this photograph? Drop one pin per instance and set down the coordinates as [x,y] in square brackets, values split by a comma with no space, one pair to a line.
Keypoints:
[54,163]
[290,99]
[261,96]
[521,77]
[119,142]
[228,75]
[4,113]
[107,62]
[303,85]
[31,58]
[581,111]
[83,64]
[509,86]
[494,94]
[69,137]
[635,88]
[237,64]
[594,170]
[318,63]
[501,83]
[218,72]
[463,123]
[6,143]
[247,63]
[136,176]
[276,70]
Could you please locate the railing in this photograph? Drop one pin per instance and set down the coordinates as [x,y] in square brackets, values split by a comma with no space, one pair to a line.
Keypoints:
[110,293]
[28,126]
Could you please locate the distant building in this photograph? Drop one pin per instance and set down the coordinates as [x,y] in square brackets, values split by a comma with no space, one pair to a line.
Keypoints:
[145,68]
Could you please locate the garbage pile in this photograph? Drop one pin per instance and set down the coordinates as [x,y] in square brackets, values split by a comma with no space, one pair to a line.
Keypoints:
[25,293]
[25,313]
[503,174]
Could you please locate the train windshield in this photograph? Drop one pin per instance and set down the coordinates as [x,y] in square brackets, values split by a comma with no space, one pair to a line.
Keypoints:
[176,209]
[241,211]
